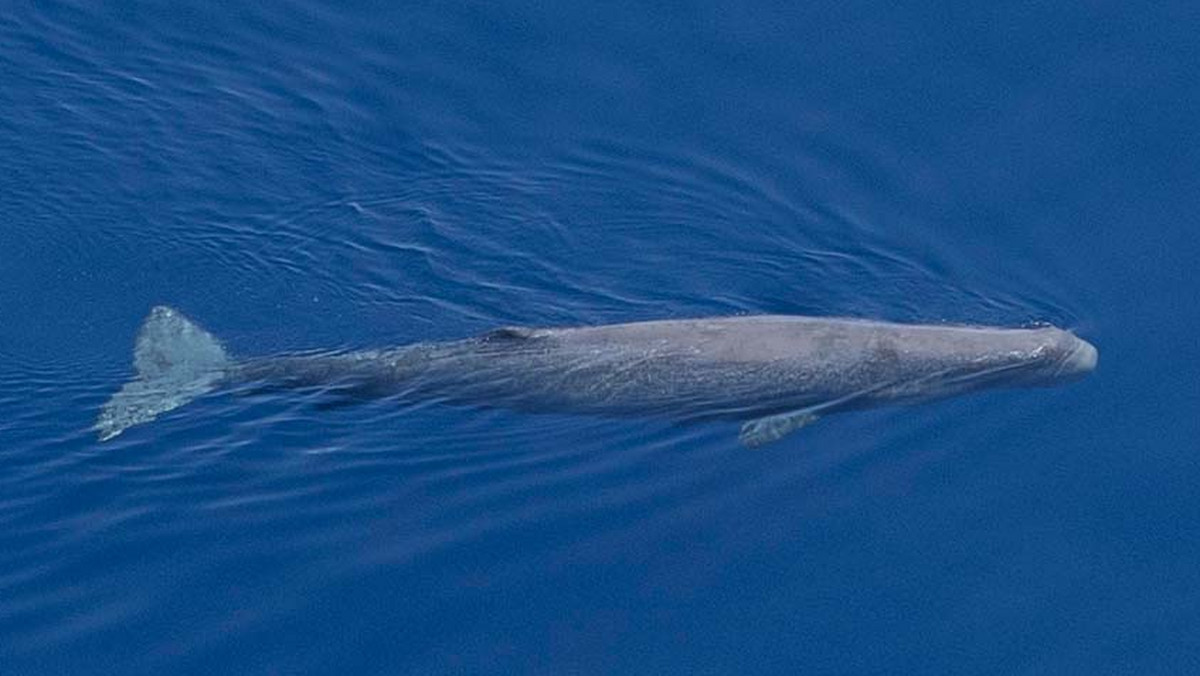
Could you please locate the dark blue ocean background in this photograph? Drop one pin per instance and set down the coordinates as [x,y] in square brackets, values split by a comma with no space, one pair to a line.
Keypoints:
[337,175]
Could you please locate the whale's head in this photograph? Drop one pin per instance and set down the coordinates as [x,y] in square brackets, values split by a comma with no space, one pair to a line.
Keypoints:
[1058,356]
[1035,357]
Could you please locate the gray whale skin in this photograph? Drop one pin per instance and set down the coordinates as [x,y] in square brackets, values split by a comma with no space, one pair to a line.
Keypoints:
[773,373]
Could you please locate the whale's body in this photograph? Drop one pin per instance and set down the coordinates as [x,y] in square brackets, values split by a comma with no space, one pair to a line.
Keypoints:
[774,373]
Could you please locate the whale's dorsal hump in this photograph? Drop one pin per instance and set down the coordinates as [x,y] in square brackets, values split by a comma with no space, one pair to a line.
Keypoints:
[511,333]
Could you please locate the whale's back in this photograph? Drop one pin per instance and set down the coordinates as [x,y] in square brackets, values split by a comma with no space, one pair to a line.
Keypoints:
[734,367]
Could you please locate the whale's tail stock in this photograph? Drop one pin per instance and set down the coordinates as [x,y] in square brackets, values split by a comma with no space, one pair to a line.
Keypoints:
[175,360]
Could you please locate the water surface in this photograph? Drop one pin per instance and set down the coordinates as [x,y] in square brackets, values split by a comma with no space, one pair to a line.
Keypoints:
[317,175]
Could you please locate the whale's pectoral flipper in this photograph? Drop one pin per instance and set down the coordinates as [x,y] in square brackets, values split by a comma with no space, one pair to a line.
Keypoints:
[762,431]
[176,361]
[771,428]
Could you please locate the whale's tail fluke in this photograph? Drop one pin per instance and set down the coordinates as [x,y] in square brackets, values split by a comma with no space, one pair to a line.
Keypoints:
[176,361]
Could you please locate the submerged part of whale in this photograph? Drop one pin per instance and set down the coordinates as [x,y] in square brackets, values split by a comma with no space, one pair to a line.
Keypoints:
[773,373]
[175,361]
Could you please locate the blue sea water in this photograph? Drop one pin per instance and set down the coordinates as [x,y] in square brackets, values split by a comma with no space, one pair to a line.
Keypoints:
[336,175]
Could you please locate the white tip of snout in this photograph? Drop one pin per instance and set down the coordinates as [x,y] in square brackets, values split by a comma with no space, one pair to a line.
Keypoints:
[1084,358]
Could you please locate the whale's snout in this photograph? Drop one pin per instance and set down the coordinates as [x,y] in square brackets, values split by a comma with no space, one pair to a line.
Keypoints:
[1084,359]
[1080,361]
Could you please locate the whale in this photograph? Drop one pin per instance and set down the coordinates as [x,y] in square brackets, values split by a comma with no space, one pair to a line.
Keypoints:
[772,374]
